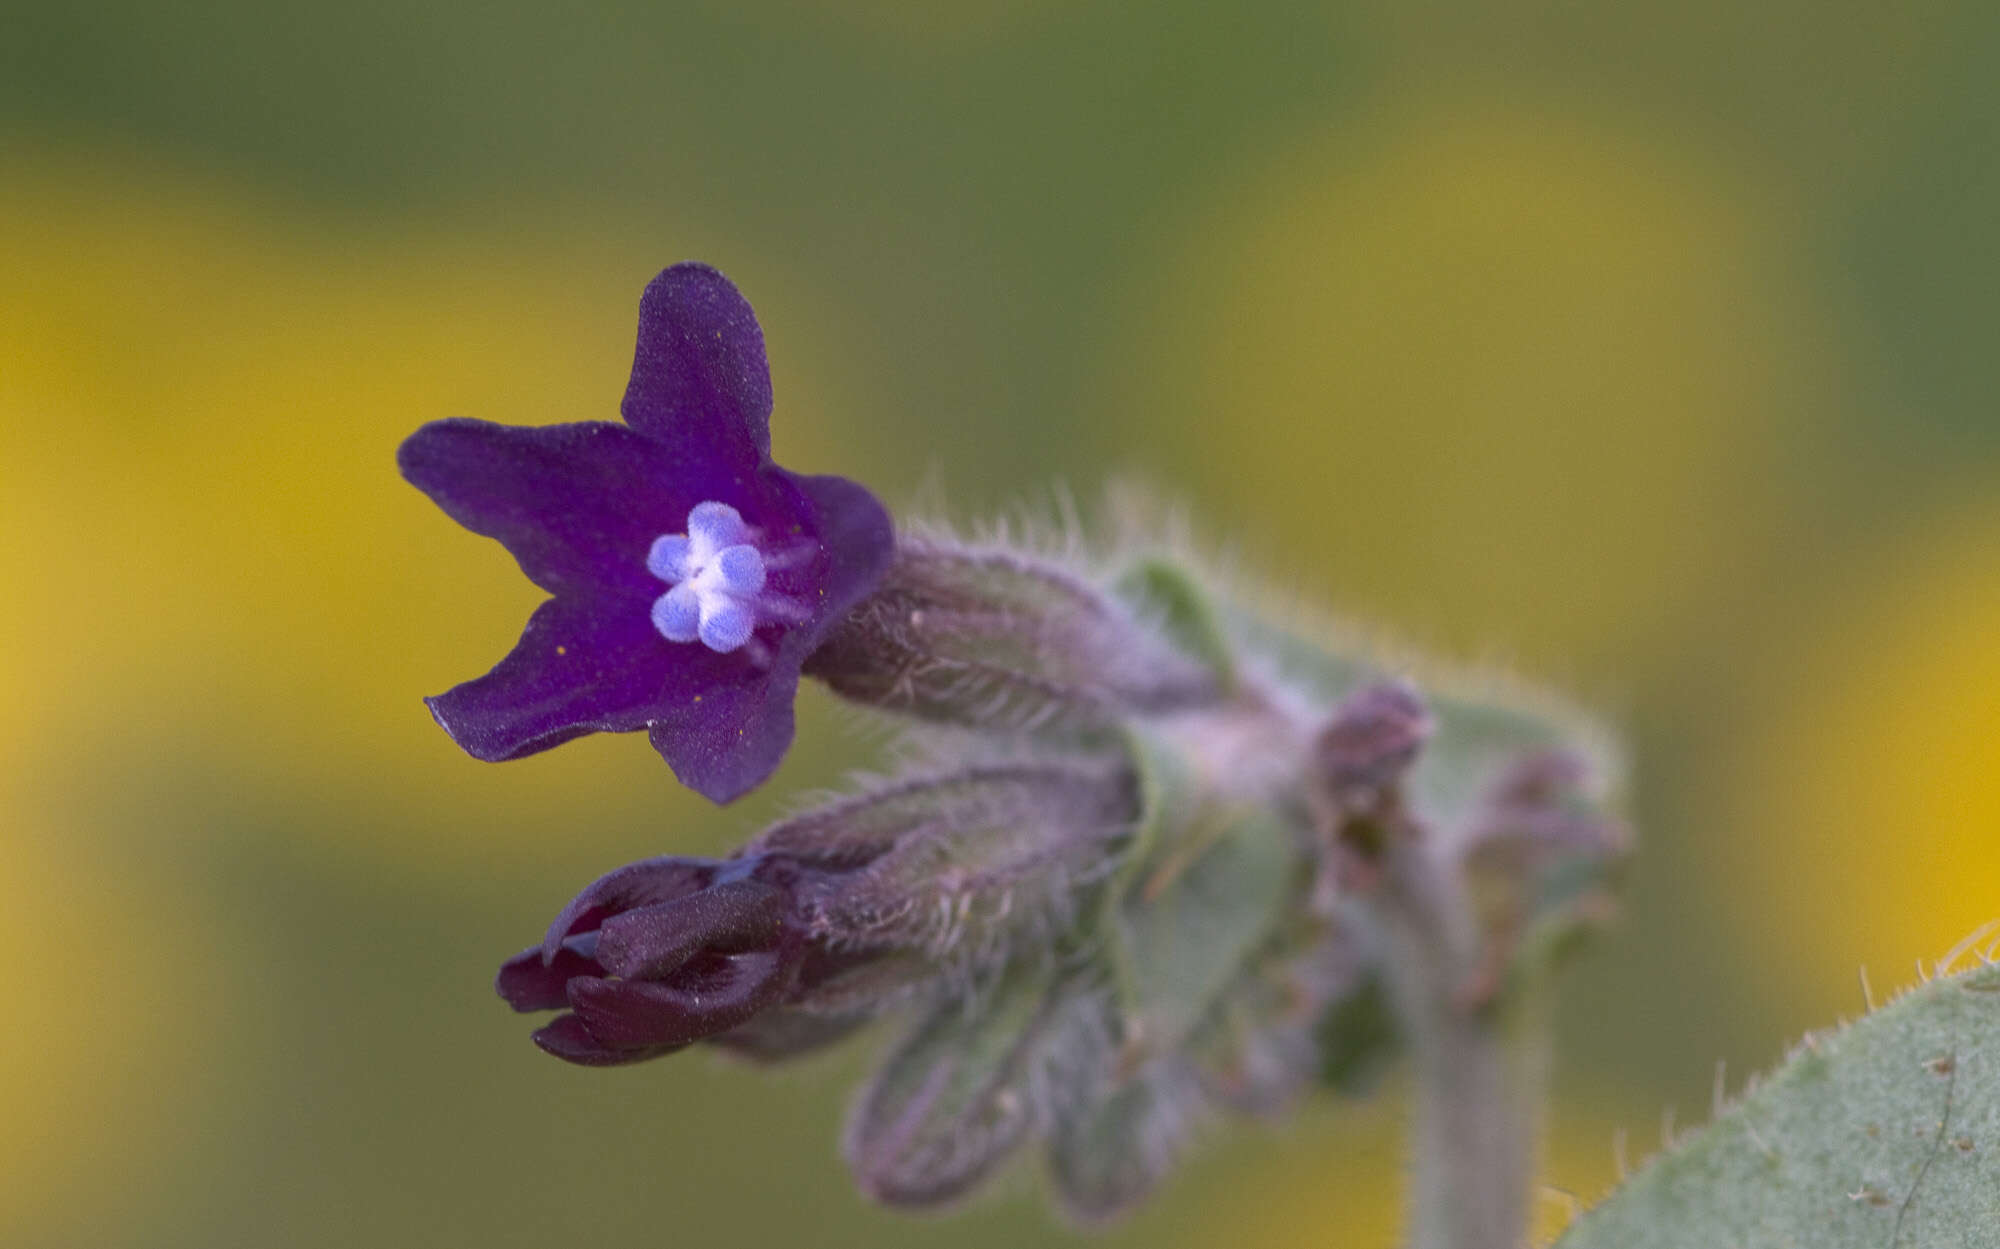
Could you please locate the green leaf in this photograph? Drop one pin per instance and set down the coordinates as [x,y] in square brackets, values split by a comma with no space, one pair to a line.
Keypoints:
[1885,1133]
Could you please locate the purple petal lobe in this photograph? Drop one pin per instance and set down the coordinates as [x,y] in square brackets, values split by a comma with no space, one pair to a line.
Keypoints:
[732,918]
[569,1040]
[644,883]
[700,385]
[711,994]
[858,539]
[724,742]
[580,667]
[529,983]
[577,505]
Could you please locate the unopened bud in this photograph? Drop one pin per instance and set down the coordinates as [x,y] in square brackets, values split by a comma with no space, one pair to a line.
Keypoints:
[1359,761]
[959,867]
[996,639]
[911,892]
[1372,739]
[655,957]
[1542,856]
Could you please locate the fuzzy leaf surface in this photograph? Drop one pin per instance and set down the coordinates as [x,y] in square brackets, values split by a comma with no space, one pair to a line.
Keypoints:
[1884,1135]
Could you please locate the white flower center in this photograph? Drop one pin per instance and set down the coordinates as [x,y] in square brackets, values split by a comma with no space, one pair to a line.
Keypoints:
[716,575]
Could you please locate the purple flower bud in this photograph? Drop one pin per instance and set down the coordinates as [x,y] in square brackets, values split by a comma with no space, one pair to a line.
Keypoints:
[691,576]
[1372,739]
[997,639]
[827,919]
[654,957]
[1360,759]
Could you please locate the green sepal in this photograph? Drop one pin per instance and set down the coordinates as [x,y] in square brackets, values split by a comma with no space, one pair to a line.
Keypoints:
[1209,881]
[946,1108]
[1106,1156]
[1472,740]
[1164,593]
[1326,674]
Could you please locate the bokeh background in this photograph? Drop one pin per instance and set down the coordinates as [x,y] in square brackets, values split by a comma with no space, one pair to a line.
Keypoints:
[1646,347]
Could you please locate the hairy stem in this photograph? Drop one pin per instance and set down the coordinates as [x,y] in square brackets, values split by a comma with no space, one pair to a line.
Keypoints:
[1480,1063]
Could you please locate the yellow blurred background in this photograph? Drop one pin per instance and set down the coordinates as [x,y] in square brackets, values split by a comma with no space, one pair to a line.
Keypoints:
[1647,348]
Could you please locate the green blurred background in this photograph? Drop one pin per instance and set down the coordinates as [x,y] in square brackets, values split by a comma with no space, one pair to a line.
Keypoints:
[1648,348]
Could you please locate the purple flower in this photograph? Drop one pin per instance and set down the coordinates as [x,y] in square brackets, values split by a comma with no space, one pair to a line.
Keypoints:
[656,956]
[691,576]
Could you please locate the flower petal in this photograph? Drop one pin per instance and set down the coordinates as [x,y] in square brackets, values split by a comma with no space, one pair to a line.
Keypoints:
[530,983]
[569,1040]
[578,505]
[859,540]
[645,883]
[724,742]
[734,917]
[700,384]
[710,995]
[578,668]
